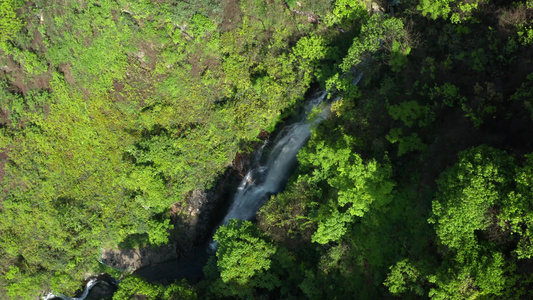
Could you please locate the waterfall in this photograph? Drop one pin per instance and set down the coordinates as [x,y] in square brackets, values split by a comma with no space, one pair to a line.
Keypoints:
[264,180]
[271,167]
[88,287]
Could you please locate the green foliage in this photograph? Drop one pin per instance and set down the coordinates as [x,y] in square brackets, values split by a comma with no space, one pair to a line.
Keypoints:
[312,49]
[479,277]
[405,143]
[291,4]
[359,184]
[478,60]
[448,94]
[484,184]
[284,217]
[321,8]
[201,26]
[309,286]
[525,94]
[398,58]
[435,8]
[10,24]
[181,12]
[403,277]
[410,112]
[241,253]
[126,108]
[375,31]
[525,34]
[346,12]
[22,285]
[344,84]
[244,258]
[331,228]
[517,214]
[456,11]
[133,286]
[485,103]
[467,192]
[309,52]
[112,111]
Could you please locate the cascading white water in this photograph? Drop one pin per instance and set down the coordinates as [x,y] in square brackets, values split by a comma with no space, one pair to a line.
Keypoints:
[88,288]
[268,179]
[264,180]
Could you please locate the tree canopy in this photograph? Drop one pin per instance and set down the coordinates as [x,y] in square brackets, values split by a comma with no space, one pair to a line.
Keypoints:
[418,185]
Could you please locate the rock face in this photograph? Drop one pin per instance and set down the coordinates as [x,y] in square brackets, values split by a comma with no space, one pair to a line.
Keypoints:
[191,219]
[131,259]
[104,289]
[194,221]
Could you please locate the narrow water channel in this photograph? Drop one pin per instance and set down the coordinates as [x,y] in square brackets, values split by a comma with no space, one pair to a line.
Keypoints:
[272,165]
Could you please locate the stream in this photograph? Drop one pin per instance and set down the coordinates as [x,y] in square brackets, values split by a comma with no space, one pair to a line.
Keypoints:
[271,167]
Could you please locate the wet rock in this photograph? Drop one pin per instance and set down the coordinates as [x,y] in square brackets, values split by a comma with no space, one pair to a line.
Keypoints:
[104,289]
[131,259]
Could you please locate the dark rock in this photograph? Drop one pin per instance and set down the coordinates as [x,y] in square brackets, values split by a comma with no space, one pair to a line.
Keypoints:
[103,290]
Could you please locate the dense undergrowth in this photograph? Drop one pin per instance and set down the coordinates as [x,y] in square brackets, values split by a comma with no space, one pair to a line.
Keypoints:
[419,185]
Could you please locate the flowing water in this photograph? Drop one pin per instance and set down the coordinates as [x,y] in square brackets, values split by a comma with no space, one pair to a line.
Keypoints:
[84,294]
[272,166]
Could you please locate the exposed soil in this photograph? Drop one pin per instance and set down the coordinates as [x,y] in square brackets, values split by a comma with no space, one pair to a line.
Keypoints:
[232,15]
[8,65]
[196,66]
[20,82]
[146,55]
[3,161]
[67,73]
[4,117]
[17,82]
[117,93]
[37,44]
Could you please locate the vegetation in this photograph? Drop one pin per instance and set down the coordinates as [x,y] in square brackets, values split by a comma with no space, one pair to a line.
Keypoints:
[420,184]
[134,287]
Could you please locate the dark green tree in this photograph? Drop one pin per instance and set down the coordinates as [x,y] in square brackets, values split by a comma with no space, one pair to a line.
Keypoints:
[244,259]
